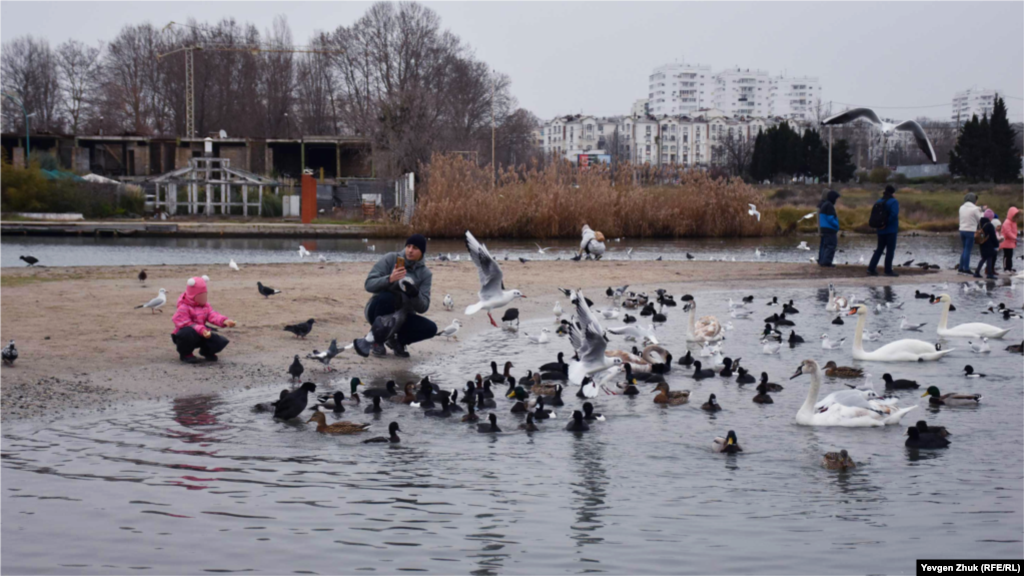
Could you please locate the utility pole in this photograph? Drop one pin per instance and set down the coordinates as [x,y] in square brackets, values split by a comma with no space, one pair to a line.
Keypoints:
[494,168]
[28,138]
[830,156]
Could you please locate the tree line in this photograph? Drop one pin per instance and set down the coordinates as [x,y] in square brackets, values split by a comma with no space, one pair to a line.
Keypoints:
[781,150]
[394,76]
[986,149]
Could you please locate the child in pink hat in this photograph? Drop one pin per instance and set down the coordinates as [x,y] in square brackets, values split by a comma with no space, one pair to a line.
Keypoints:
[190,330]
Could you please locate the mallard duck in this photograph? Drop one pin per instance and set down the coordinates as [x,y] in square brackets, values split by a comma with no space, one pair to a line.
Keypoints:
[393,430]
[838,461]
[589,414]
[745,377]
[630,389]
[577,424]
[762,395]
[833,371]
[711,405]
[727,445]
[918,439]
[269,406]
[923,427]
[490,426]
[471,414]
[900,384]
[668,397]
[337,427]
[539,388]
[529,426]
[769,386]
[951,399]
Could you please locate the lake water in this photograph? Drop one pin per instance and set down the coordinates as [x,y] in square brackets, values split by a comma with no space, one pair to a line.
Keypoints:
[204,484]
[90,251]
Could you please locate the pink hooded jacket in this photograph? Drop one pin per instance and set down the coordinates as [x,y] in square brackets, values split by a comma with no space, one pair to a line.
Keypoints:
[1009,229]
[191,314]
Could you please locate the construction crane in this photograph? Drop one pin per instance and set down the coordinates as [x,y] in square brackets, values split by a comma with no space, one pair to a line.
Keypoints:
[189,50]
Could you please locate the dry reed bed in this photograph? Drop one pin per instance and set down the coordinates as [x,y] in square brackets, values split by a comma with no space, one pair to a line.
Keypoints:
[556,201]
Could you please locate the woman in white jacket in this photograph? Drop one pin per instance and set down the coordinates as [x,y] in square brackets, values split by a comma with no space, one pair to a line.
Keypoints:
[970,215]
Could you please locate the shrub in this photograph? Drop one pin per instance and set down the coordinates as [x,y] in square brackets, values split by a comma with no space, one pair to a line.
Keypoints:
[272,206]
[878,175]
[26,190]
[898,178]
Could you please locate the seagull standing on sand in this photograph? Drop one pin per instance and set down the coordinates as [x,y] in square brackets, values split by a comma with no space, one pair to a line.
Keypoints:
[587,338]
[233,265]
[803,245]
[557,310]
[302,251]
[753,212]
[492,287]
[155,303]
[448,302]
[887,129]
[451,330]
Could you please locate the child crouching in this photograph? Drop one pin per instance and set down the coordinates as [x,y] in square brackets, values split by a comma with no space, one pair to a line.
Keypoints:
[190,331]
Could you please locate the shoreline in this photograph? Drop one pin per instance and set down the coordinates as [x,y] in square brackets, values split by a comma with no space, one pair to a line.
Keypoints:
[83,346]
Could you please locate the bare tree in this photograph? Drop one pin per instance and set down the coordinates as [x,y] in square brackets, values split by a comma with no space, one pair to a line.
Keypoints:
[734,153]
[132,100]
[29,71]
[79,67]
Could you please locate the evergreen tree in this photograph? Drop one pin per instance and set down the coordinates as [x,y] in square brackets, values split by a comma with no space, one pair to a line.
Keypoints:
[1004,157]
[843,168]
[758,162]
[966,158]
[815,155]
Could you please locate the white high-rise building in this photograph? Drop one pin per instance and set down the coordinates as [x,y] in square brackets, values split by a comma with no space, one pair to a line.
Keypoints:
[974,101]
[679,88]
[639,108]
[743,92]
[795,98]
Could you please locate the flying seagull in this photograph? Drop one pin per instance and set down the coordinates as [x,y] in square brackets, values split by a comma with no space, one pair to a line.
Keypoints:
[492,287]
[753,212]
[587,339]
[155,303]
[887,129]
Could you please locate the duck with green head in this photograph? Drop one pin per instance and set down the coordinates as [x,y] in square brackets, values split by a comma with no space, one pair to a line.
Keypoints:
[937,398]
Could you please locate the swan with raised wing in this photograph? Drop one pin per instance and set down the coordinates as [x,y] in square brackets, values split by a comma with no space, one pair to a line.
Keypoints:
[707,329]
[906,350]
[969,330]
[865,413]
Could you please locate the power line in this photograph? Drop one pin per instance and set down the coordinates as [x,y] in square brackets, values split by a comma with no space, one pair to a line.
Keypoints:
[947,104]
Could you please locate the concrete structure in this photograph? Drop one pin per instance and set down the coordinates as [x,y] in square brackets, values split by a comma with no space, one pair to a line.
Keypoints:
[743,92]
[679,88]
[694,141]
[640,108]
[973,101]
[795,98]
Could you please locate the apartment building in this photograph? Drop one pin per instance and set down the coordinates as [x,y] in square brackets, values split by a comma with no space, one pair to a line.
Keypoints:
[679,88]
[973,101]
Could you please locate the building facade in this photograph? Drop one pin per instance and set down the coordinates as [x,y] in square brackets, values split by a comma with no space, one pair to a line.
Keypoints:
[679,88]
[795,98]
[973,101]
[743,92]
[640,108]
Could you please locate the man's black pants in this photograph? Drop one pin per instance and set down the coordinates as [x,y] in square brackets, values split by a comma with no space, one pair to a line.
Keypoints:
[415,329]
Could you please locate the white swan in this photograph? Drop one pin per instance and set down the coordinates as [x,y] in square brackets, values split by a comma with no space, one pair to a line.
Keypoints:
[906,350]
[835,303]
[870,414]
[706,330]
[969,330]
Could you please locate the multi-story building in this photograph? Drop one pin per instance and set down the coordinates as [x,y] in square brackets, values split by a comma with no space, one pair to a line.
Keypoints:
[973,101]
[568,136]
[694,141]
[679,88]
[795,98]
[743,92]
[640,108]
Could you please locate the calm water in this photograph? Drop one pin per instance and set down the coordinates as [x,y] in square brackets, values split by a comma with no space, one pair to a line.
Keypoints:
[203,484]
[85,251]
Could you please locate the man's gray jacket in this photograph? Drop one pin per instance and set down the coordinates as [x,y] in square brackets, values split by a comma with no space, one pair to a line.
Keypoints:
[417,272]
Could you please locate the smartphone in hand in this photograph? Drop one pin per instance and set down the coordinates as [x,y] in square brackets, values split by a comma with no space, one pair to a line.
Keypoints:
[400,263]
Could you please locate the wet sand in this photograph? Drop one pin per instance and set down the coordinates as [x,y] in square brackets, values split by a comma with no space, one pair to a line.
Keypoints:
[83,347]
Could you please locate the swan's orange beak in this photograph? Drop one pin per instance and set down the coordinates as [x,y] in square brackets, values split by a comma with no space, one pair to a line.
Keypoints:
[851,312]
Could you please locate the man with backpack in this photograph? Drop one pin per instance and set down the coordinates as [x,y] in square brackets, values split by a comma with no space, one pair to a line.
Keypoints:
[885,219]
[828,223]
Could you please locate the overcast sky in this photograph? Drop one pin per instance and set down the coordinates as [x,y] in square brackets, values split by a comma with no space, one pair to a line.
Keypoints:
[594,57]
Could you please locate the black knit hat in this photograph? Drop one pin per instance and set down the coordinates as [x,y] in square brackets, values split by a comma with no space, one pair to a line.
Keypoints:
[419,241]
[889,190]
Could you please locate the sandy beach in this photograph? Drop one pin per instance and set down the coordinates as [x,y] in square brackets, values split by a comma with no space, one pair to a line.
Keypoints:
[83,346]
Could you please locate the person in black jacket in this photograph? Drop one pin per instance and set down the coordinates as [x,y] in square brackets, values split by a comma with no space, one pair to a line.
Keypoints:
[989,248]
[828,223]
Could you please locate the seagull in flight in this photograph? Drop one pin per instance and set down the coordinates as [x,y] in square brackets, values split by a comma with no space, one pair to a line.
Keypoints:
[587,339]
[753,212]
[887,128]
[492,286]
[808,216]
[541,250]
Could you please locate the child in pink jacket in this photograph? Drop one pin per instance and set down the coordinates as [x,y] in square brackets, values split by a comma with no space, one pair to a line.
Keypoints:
[1009,239]
[190,330]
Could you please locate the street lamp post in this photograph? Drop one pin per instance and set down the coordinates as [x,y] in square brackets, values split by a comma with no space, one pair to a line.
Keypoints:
[28,140]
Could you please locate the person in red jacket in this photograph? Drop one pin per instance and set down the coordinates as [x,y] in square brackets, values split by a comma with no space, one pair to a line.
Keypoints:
[190,330]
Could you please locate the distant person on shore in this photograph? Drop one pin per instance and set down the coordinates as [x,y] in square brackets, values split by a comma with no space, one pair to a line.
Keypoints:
[383,282]
[885,219]
[190,330]
[989,247]
[828,225]
[970,215]
[1009,238]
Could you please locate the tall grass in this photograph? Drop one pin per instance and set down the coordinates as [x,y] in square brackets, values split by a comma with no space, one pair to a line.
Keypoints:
[556,201]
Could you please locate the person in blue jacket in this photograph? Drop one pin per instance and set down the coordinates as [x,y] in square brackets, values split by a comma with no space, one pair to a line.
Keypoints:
[828,224]
[887,235]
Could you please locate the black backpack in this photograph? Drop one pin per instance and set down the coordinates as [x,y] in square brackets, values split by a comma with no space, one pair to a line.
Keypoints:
[879,215]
